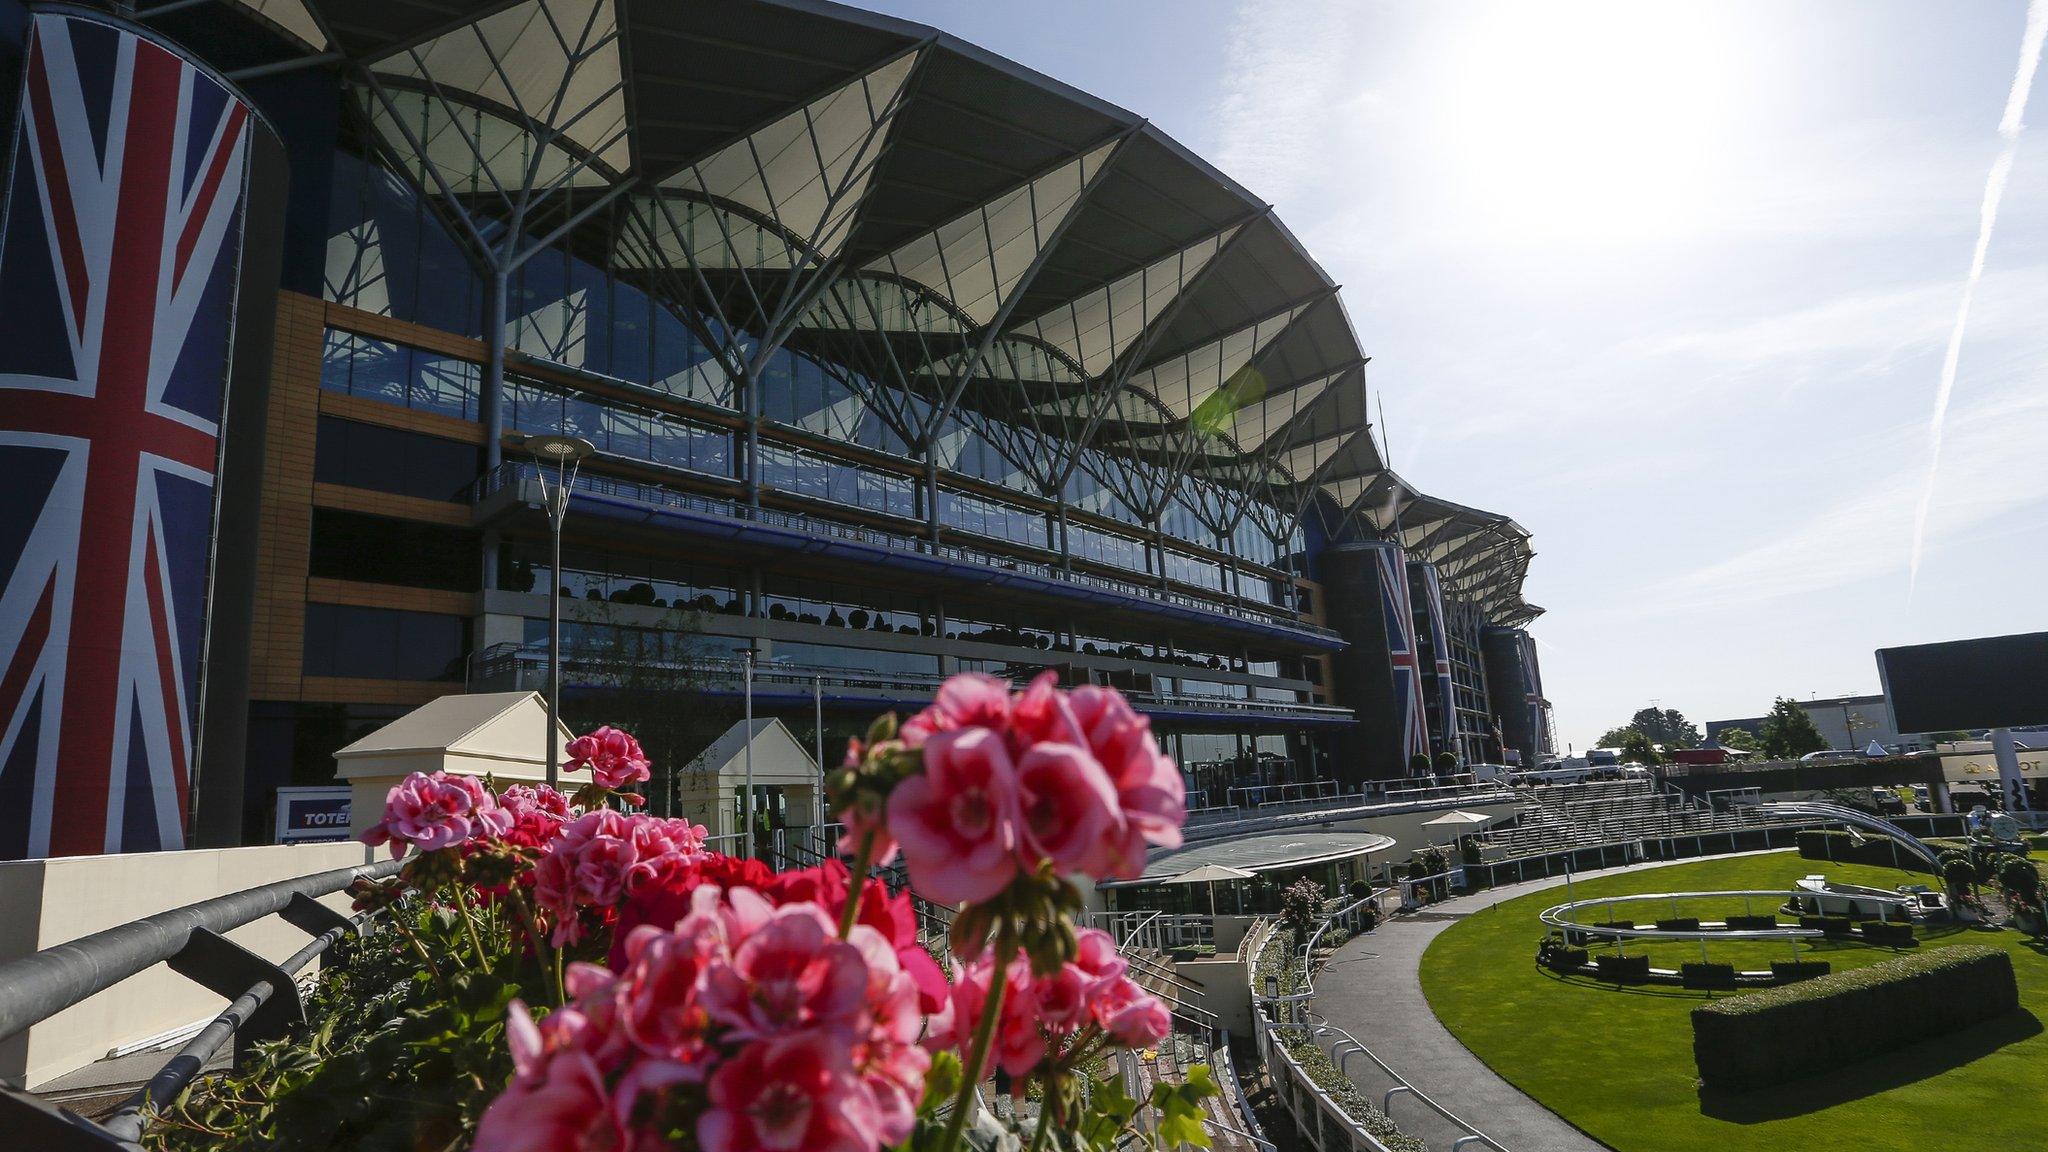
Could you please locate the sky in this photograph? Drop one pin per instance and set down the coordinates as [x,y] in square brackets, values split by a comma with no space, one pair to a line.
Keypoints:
[1672,284]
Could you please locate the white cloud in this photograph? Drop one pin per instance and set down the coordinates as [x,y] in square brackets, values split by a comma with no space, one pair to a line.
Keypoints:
[1288,70]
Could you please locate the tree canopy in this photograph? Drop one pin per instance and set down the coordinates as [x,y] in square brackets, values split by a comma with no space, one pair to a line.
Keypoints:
[1740,739]
[1638,748]
[1666,726]
[1789,732]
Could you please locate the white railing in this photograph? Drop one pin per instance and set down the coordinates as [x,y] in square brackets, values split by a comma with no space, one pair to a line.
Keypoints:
[1341,1054]
[1324,1122]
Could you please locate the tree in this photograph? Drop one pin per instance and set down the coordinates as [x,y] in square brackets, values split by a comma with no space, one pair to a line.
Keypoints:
[1789,732]
[1740,739]
[1638,749]
[650,682]
[1668,727]
[1614,737]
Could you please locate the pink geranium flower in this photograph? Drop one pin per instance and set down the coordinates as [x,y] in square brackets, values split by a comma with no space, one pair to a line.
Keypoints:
[613,757]
[790,1093]
[1068,810]
[791,973]
[956,822]
[586,865]
[969,700]
[558,1098]
[1132,1016]
[436,811]
[1019,1041]
[1149,791]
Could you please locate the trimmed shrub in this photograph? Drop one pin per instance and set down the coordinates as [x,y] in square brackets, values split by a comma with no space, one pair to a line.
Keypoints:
[1819,844]
[1891,933]
[1829,925]
[1679,924]
[1564,959]
[1711,976]
[1614,924]
[1751,923]
[1787,971]
[1623,969]
[1798,1030]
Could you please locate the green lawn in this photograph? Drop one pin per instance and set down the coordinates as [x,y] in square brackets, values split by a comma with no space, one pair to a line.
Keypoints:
[1618,1062]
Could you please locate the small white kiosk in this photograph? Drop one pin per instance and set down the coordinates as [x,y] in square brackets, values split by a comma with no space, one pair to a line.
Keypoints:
[500,734]
[786,780]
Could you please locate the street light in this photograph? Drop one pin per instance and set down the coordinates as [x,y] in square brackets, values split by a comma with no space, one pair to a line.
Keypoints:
[747,806]
[566,453]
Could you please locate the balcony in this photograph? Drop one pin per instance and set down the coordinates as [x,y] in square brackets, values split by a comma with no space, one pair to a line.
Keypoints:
[515,487]
[518,667]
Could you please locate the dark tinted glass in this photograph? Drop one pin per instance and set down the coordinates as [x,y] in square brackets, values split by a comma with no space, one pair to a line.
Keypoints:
[380,550]
[384,643]
[393,460]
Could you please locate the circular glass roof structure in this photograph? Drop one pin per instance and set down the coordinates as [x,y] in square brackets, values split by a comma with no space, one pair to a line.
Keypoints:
[1272,852]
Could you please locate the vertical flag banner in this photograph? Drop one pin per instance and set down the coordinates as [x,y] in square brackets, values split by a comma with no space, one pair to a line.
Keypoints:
[1402,659]
[122,232]
[1424,583]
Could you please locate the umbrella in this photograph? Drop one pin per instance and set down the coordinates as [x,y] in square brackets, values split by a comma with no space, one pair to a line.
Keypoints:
[1209,874]
[1460,820]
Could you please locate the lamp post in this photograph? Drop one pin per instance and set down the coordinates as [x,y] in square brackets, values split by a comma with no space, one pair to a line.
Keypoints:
[566,453]
[747,805]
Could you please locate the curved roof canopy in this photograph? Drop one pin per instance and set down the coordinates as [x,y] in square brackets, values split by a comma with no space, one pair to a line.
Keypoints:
[998,246]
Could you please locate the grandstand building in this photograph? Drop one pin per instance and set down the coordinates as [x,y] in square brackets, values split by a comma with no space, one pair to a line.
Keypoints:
[898,358]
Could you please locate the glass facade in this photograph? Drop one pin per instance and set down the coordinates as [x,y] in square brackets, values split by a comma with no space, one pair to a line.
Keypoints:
[345,640]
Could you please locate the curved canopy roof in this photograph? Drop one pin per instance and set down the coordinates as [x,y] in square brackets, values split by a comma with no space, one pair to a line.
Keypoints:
[995,244]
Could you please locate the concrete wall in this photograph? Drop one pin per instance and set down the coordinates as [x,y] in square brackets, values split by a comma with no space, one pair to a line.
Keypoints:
[44,903]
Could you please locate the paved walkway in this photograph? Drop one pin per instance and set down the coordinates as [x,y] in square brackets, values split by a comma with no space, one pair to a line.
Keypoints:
[1372,989]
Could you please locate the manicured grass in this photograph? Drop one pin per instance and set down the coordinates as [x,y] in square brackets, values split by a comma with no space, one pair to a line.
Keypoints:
[1618,1062]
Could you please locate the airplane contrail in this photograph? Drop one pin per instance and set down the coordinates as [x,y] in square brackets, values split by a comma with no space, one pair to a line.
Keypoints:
[1987,218]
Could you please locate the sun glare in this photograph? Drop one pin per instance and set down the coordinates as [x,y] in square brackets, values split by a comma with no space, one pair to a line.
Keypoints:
[1595,122]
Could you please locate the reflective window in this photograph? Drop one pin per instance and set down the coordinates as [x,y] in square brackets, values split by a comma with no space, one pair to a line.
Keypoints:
[381,550]
[995,518]
[387,254]
[807,473]
[398,374]
[620,429]
[394,460]
[384,643]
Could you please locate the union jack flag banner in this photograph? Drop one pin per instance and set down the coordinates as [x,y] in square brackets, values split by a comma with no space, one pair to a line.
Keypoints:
[118,262]
[1401,655]
[1532,687]
[1423,578]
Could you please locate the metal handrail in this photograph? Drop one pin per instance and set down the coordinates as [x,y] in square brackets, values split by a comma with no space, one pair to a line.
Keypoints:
[511,472]
[192,941]
[1402,1085]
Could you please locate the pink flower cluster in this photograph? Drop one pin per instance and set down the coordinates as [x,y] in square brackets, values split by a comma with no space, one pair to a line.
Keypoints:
[1040,1012]
[1010,782]
[613,757]
[437,811]
[795,1038]
[596,860]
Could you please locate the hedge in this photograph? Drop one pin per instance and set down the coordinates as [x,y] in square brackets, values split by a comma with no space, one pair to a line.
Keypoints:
[1803,1029]
[1751,923]
[1787,971]
[1829,925]
[1623,969]
[1567,960]
[1893,933]
[1679,924]
[1819,844]
[1711,976]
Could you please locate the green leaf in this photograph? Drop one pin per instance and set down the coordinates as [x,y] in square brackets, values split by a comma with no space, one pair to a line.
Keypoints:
[941,1083]
[1180,1108]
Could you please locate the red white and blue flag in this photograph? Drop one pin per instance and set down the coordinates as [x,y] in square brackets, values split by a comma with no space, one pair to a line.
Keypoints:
[118,264]
[1423,579]
[1402,658]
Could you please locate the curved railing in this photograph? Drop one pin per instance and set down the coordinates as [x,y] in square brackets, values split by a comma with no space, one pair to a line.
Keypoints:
[1855,817]
[1557,916]
[192,941]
